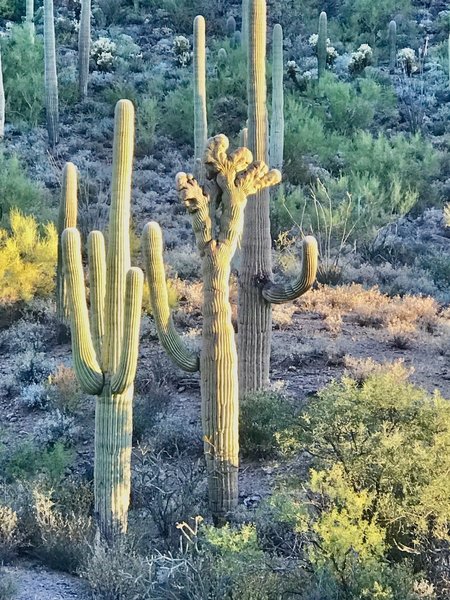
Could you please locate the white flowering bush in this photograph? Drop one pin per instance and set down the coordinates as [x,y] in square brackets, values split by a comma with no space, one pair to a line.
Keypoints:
[56,427]
[332,53]
[182,49]
[360,59]
[407,60]
[104,53]
[35,396]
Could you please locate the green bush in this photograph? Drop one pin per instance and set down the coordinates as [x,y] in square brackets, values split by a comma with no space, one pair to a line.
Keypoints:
[12,9]
[378,492]
[27,461]
[17,190]
[362,18]
[177,118]
[146,120]
[23,75]
[262,416]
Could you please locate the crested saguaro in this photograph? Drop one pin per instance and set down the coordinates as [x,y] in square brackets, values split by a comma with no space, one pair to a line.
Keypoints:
[217,217]
[105,342]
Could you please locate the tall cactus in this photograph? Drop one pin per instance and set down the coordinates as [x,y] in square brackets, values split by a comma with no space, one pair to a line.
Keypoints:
[2,101]
[256,290]
[105,343]
[29,18]
[231,27]
[67,218]
[235,177]
[244,25]
[322,43]
[392,34]
[200,113]
[51,77]
[277,122]
[84,45]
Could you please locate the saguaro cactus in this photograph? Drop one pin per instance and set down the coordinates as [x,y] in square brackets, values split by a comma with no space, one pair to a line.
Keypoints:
[200,114]
[2,101]
[256,290]
[392,33]
[105,344]
[277,122]
[29,18]
[84,45]
[231,27]
[244,26]
[67,218]
[234,177]
[51,77]
[322,43]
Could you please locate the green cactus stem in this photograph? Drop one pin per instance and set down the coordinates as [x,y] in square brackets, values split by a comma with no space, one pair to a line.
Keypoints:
[392,34]
[200,112]
[233,177]
[231,27]
[84,47]
[277,121]
[2,101]
[29,18]
[67,218]
[256,290]
[105,343]
[244,26]
[322,43]
[51,77]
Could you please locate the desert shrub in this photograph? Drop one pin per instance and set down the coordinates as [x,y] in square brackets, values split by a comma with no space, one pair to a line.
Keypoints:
[12,9]
[31,368]
[8,589]
[56,427]
[378,490]
[34,395]
[24,335]
[364,17]
[262,416]
[10,536]
[23,73]
[177,115]
[63,537]
[63,391]
[146,120]
[27,259]
[27,461]
[17,190]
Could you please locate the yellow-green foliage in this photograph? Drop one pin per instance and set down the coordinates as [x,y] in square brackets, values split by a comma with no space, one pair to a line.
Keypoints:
[447,215]
[27,259]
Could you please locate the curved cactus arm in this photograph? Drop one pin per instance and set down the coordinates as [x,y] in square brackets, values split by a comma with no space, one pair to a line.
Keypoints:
[126,371]
[153,252]
[97,287]
[85,360]
[278,294]
[198,205]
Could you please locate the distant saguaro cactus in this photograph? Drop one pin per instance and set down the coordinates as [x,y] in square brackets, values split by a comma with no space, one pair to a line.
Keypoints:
[322,43]
[277,121]
[2,101]
[105,343]
[392,31]
[231,27]
[51,77]
[84,46]
[200,112]
[29,18]
[234,177]
[67,218]
[244,26]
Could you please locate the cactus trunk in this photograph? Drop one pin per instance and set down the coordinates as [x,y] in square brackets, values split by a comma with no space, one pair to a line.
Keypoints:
[29,18]
[219,385]
[51,77]
[277,122]
[105,347]
[200,113]
[244,25]
[84,45]
[255,314]
[392,46]
[322,43]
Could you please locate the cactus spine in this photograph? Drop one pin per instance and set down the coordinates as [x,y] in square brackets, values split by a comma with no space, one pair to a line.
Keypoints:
[200,113]
[277,122]
[67,218]
[51,77]
[322,43]
[235,177]
[105,347]
[29,18]
[392,46]
[84,45]
[256,290]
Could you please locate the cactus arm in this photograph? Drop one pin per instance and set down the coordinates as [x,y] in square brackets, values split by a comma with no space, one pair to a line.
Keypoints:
[84,44]
[126,372]
[97,287]
[200,111]
[85,360]
[278,294]
[169,338]
[118,254]
[29,18]
[277,122]
[198,205]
